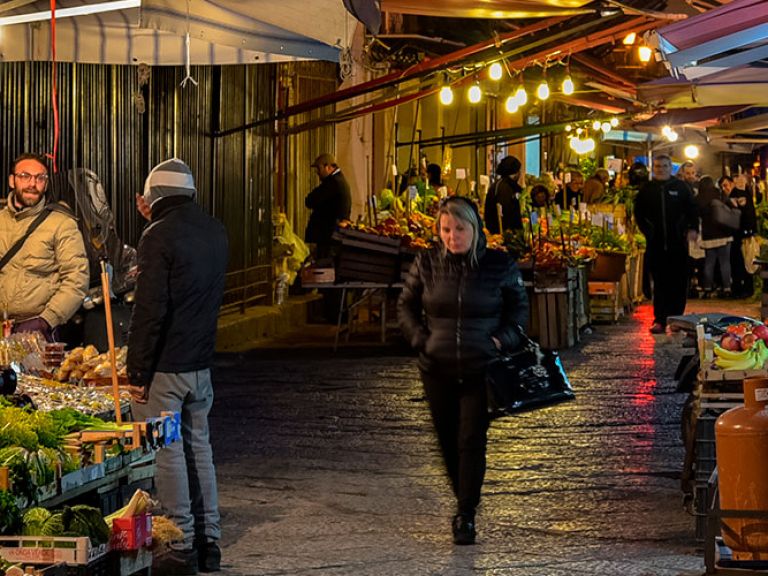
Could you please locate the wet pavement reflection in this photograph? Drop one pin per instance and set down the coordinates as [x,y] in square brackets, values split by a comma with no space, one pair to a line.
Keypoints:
[327,465]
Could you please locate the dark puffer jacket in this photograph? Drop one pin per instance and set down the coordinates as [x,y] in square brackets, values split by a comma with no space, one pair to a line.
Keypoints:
[182,262]
[449,310]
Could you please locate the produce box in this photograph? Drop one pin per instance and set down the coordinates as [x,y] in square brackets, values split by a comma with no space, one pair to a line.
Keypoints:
[75,551]
[132,533]
[366,257]
[553,277]
[608,267]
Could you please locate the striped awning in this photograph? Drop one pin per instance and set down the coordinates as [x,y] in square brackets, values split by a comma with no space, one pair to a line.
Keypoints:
[227,32]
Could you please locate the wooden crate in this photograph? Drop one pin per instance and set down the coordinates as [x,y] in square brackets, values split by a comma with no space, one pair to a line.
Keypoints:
[582,299]
[605,301]
[553,319]
[367,257]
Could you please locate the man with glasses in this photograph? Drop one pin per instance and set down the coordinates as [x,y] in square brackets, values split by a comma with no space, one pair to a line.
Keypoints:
[666,213]
[44,267]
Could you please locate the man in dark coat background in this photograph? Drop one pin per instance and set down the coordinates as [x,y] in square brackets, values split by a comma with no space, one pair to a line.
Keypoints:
[505,193]
[330,203]
[666,214]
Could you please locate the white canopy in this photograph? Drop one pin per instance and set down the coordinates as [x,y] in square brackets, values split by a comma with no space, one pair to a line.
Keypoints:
[224,32]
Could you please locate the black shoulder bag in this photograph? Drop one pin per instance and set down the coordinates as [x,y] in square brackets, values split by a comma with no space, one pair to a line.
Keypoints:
[13,250]
[526,379]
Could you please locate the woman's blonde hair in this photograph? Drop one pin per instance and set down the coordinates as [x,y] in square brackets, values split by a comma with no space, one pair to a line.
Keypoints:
[462,209]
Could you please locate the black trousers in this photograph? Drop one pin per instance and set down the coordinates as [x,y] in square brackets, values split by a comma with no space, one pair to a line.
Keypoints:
[669,270]
[460,416]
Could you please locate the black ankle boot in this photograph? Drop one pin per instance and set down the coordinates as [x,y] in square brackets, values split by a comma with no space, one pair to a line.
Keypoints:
[464,529]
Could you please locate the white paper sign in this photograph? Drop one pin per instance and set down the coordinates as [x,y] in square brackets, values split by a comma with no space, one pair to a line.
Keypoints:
[567,178]
[394,169]
[484,180]
[412,192]
[461,174]
[597,219]
[472,186]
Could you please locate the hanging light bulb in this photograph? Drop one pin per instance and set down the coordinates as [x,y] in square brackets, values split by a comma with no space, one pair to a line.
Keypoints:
[495,71]
[568,87]
[605,127]
[446,95]
[596,125]
[568,127]
[579,130]
[645,53]
[691,151]
[521,96]
[672,136]
[542,92]
[511,105]
[475,94]
[629,39]
[665,130]
[614,121]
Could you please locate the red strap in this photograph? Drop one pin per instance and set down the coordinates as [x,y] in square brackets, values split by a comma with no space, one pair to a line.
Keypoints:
[54,96]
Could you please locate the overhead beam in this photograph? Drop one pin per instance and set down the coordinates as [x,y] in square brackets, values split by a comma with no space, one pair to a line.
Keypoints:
[580,44]
[750,124]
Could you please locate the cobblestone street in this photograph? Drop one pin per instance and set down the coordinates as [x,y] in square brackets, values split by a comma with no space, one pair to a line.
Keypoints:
[327,465]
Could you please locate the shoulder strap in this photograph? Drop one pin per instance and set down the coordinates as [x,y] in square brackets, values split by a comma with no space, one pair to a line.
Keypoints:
[13,250]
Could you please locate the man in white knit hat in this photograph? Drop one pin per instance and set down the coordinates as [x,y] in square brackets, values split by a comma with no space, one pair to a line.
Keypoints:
[182,259]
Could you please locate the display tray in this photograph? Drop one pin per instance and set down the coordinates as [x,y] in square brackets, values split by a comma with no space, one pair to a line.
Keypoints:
[712,375]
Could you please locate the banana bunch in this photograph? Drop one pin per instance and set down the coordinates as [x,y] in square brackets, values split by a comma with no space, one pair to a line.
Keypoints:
[751,359]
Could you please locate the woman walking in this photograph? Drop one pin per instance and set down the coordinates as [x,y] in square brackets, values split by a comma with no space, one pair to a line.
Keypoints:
[460,306]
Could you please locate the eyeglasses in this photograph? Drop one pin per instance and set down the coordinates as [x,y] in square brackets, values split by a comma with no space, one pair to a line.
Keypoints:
[26,178]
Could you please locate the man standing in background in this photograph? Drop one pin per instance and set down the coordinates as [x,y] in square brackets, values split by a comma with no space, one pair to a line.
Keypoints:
[666,214]
[330,203]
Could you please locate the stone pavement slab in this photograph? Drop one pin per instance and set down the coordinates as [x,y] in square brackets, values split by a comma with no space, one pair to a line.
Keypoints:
[327,466]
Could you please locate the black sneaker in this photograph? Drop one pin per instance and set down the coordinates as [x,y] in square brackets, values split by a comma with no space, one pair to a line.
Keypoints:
[463,530]
[174,562]
[208,557]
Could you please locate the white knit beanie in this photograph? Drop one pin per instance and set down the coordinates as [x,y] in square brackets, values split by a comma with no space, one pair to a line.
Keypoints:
[170,178]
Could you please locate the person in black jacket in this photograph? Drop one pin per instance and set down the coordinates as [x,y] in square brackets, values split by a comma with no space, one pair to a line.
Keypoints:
[505,193]
[461,305]
[182,260]
[716,238]
[666,214]
[330,203]
[741,198]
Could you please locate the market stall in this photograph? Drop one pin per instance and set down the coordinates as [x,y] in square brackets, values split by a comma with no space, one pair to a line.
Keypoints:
[68,462]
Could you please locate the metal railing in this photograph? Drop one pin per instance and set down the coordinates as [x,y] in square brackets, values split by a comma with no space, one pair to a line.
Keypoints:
[246,287]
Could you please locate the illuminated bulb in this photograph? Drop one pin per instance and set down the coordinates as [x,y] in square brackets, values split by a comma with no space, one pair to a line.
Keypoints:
[629,39]
[645,53]
[568,127]
[672,136]
[614,122]
[691,151]
[579,130]
[542,92]
[605,127]
[568,87]
[521,96]
[494,73]
[446,95]
[596,125]
[666,130]
[475,94]
[589,145]
[511,105]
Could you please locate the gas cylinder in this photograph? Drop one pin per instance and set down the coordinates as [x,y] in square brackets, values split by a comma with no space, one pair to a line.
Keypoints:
[741,441]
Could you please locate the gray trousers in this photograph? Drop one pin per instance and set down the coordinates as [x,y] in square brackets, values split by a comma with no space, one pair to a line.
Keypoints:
[185,478]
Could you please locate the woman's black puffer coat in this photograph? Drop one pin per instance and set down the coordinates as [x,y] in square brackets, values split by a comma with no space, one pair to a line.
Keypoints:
[449,310]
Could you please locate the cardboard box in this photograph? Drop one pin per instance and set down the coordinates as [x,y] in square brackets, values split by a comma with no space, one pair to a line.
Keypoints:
[314,275]
[50,549]
[132,533]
